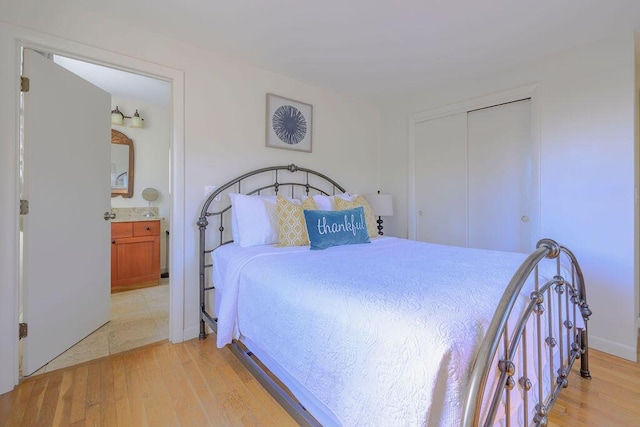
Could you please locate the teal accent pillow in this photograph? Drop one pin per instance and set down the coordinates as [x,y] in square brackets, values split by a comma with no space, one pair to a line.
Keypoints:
[335,228]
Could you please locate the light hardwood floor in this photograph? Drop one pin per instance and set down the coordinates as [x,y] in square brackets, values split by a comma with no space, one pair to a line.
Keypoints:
[196,384]
[610,399]
[187,384]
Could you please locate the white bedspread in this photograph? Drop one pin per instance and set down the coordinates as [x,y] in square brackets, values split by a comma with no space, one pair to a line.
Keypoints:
[381,333]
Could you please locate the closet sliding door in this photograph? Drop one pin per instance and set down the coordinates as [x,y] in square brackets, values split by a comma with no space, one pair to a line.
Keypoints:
[441,180]
[499,153]
[474,175]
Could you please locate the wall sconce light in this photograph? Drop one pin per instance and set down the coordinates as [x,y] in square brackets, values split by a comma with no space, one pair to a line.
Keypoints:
[117,118]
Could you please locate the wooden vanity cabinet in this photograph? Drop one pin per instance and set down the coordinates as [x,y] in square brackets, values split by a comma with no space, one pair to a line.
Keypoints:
[135,255]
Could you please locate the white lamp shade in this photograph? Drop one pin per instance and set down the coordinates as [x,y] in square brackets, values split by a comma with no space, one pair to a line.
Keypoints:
[381,204]
[117,119]
[137,122]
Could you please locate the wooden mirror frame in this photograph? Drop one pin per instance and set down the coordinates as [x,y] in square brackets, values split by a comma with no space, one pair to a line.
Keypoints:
[118,137]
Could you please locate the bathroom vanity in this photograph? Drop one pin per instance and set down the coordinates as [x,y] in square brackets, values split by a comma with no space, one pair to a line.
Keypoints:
[135,254]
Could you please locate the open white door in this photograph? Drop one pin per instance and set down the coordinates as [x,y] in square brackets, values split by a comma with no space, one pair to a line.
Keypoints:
[66,275]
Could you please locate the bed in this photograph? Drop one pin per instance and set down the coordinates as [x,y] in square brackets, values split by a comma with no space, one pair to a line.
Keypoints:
[390,331]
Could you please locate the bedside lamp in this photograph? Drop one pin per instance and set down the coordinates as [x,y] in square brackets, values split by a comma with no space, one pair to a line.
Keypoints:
[382,205]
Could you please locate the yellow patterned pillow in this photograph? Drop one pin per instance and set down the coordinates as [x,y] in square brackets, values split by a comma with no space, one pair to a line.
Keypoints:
[292,228]
[369,217]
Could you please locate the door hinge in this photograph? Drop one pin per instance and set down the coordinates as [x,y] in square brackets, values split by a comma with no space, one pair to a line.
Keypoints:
[24,207]
[23,330]
[24,84]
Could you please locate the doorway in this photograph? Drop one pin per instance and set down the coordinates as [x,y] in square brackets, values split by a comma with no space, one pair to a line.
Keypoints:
[158,159]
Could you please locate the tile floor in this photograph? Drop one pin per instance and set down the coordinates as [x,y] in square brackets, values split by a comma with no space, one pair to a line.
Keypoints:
[138,318]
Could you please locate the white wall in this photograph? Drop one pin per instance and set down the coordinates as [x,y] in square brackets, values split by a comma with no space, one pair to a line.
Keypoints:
[587,116]
[224,131]
[151,159]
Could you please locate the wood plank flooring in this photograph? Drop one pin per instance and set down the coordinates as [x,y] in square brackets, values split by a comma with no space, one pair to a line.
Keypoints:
[196,384]
[187,384]
[611,398]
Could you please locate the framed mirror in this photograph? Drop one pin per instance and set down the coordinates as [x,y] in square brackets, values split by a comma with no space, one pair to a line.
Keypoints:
[121,165]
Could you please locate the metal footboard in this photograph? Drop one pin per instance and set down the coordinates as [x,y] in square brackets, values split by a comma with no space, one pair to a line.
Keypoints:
[526,358]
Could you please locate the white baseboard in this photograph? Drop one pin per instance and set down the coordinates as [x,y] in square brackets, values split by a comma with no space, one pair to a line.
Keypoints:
[617,349]
[191,333]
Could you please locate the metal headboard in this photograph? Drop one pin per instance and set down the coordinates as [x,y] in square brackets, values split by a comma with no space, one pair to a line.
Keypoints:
[307,181]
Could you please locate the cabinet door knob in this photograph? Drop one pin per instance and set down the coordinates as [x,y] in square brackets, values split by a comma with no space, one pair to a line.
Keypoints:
[148,228]
[113,242]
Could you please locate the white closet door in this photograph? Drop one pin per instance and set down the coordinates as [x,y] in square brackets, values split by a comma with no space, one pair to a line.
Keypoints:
[500,174]
[441,180]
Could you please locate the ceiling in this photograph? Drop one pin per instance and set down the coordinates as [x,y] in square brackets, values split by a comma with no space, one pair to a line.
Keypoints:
[376,49]
[120,84]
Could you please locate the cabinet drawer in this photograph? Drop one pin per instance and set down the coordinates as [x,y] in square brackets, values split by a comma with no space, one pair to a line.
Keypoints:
[121,229]
[146,228]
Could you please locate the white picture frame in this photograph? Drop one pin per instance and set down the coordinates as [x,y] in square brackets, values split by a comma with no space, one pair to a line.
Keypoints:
[289,123]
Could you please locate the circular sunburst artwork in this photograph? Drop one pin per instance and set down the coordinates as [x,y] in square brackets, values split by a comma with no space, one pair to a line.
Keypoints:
[289,124]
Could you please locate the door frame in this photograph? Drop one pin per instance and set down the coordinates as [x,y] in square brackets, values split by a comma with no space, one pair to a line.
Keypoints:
[529,91]
[9,222]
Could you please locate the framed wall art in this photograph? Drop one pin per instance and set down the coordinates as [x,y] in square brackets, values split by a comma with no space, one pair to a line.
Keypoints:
[289,123]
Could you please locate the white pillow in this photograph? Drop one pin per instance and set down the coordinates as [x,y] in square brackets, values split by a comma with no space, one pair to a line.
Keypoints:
[254,219]
[325,203]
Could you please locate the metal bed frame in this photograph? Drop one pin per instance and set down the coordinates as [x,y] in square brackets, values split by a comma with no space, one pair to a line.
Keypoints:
[552,310]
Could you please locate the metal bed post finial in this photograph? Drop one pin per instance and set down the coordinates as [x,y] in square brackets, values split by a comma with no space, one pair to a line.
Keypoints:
[552,245]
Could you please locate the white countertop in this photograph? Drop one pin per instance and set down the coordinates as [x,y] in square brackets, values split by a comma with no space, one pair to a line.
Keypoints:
[135,214]
[136,218]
